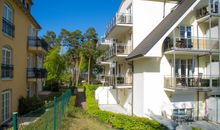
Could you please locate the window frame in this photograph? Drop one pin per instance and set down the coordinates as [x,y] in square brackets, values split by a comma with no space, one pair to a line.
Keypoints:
[6,105]
[7,74]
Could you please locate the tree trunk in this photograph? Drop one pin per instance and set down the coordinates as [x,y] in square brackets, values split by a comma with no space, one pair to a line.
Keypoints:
[89,65]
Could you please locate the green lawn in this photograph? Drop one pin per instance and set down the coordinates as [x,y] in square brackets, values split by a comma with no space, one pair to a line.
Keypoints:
[77,119]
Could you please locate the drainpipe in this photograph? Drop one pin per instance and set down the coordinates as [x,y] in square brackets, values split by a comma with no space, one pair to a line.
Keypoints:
[132,89]
[219,55]
[209,42]
[164,8]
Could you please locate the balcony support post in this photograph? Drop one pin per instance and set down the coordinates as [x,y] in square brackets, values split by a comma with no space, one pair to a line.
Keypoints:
[210,78]
[174,62]
[219,47]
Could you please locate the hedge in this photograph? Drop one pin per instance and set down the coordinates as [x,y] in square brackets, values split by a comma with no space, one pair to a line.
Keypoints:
[118,121]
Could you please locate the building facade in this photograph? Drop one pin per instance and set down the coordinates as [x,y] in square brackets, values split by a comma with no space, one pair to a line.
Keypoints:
[17,25]
[174,57]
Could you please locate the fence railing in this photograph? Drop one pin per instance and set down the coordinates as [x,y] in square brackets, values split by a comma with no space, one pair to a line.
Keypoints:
[48,117]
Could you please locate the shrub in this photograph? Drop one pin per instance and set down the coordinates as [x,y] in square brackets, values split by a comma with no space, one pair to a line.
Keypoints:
[29,104]
[118,121]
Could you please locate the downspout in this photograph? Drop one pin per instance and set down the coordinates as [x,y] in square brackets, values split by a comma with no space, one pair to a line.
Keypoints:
[132,89]
[218,56]
[164,8]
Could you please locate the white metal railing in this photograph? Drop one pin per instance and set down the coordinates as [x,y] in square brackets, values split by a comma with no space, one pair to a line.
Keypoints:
[119,49]
[212,8]
[191,81]
[191,43]
[103,41]
[115,80]
[119,18]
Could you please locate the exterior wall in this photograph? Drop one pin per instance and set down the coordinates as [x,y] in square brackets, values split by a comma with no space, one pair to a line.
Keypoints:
[17,85]
[106,96]
[124,99]
[124,5]
[144,21]
[138,87]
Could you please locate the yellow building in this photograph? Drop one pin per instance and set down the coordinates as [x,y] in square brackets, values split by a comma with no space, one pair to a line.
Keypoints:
[21,52]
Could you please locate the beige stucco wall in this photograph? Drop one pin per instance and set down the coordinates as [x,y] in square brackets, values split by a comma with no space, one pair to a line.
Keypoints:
[19,55]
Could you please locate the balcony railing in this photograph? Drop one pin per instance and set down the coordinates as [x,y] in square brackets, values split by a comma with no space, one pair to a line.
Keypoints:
[36,73]
[103,41]
[192,43]
[101,59]
[210,9]
[37,43]
[119,80]
[196,81]
[8,27]
[7,71]
[119,50]
[119,18]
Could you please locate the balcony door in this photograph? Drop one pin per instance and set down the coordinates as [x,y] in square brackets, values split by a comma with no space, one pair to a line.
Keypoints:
[186,36]
[184,69]
[31,61]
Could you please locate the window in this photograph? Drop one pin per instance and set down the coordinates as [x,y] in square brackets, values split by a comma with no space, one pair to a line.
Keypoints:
[8,15]
[8,26]
[6,105]
[186,36]
[214,6]
[7,67]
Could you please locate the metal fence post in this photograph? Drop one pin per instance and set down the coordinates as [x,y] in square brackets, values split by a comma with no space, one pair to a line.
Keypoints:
[63,104]
[55,112]
[15,121]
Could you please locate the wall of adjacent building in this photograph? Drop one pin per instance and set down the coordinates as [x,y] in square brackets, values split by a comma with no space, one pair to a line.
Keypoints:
[17,85]
[146,16]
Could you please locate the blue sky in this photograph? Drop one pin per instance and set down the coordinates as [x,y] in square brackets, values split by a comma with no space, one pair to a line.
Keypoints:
[74,14]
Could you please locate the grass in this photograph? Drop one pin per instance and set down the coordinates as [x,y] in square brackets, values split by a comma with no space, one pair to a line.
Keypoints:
[78,119]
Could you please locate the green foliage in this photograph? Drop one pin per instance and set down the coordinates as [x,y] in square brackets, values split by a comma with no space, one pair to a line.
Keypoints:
[29,104]
[118,121]
[196,128]
[56,66]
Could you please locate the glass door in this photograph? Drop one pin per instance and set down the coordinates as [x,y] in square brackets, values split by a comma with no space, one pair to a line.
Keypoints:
[5,106]
[186,36]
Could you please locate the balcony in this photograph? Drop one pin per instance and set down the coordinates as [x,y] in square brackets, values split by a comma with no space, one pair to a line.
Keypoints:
[37,45]
[103,44]
[119,81]
[8,27]
[119,50]
[196,81]
[192,44]
[102,60]
[36,73]
[210,9]
[7,71]
[120,24]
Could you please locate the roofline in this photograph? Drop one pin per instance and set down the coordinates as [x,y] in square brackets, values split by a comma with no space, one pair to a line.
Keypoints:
[28,14]
[135,57]
[153,31]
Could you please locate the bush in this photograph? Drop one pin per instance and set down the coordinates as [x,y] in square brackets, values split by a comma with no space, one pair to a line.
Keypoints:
[118,121]
[29,104]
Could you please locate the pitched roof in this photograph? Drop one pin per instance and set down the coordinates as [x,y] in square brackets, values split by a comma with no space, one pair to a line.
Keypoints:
[161,29]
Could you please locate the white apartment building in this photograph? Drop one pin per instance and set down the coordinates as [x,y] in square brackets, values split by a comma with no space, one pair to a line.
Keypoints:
[171,53]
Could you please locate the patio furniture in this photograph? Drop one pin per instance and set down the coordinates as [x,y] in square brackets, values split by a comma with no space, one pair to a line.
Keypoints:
[182,115]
